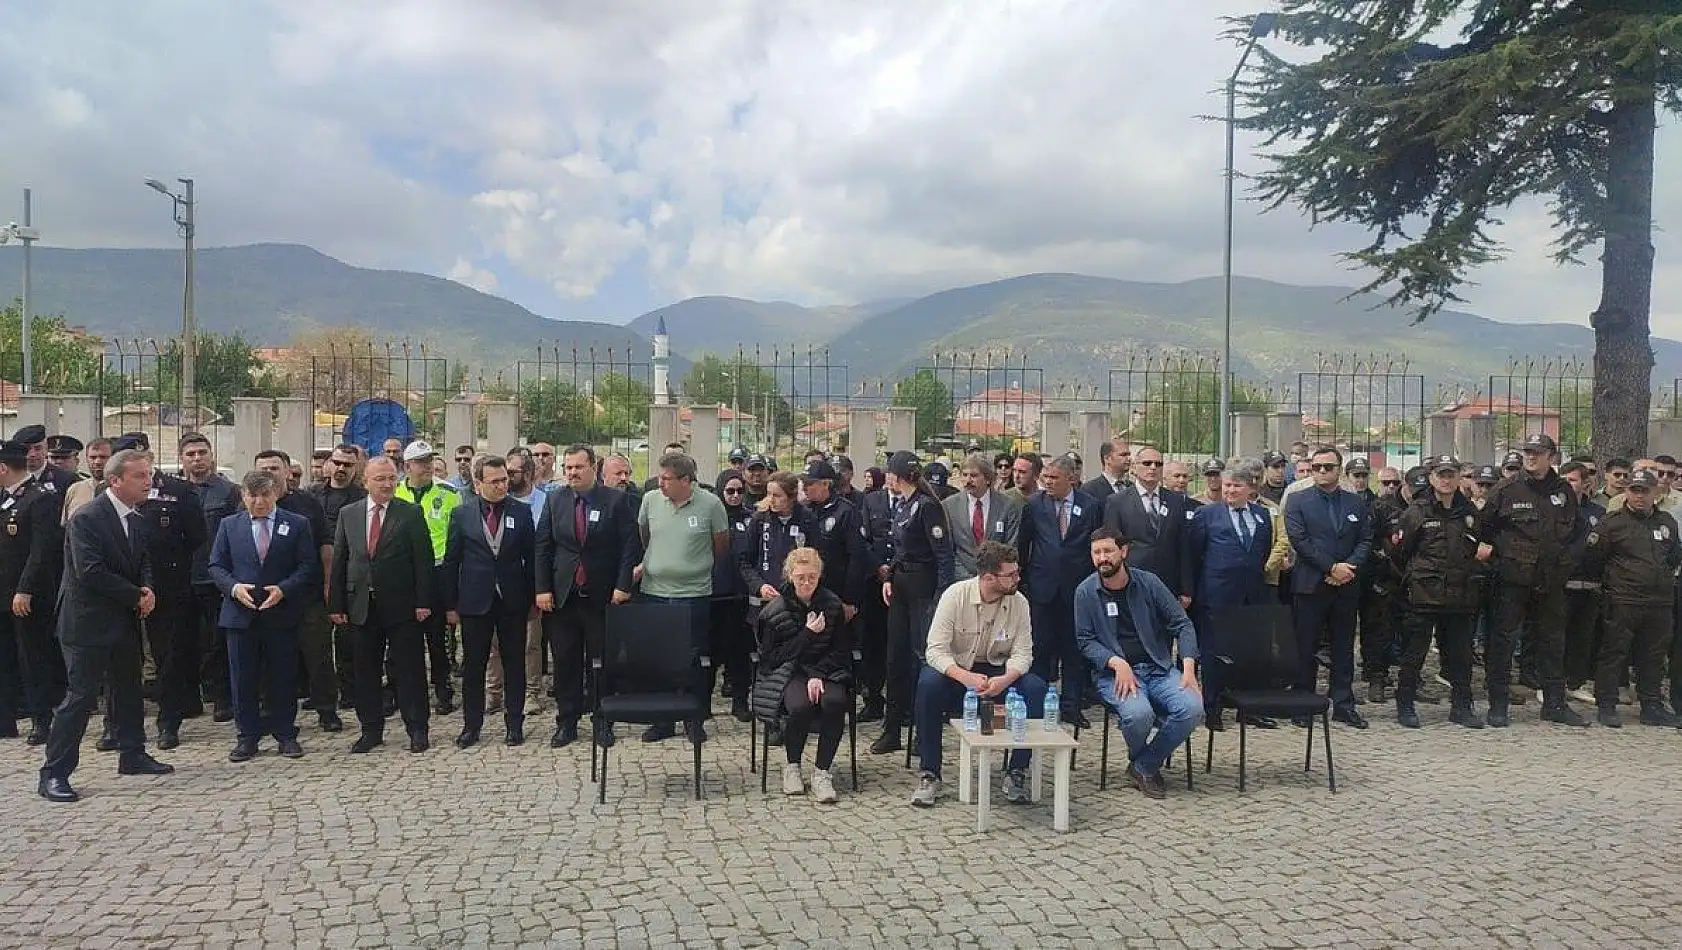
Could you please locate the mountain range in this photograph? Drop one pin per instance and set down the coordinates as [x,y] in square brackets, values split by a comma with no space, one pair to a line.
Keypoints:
[1074,328]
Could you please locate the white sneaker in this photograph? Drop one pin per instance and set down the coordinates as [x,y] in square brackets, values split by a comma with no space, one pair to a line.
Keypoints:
[1582,694]
[1016,787]
[928,791]
[823,787]
[793,784]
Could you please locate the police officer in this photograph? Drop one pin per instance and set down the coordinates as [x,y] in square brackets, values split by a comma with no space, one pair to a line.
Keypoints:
[1381,587]
[63,452]
[1359,472]
[838,535]
[1584,621]
[778,526]
[939,477]
[738,466]
[435,502]
[731,639]
[218,498]
[35,439]
[757,470]
[1635,552]
[1528,523]
[921,569]
[31,564]
[174,531]
[1437,548]
[876,510]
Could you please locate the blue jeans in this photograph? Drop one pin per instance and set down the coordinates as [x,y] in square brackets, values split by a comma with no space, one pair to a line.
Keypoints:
[1159,695]
[937,693]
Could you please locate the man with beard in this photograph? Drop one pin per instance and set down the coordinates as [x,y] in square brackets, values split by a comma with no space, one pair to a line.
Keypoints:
[341,485]
[218,497]
[99,450]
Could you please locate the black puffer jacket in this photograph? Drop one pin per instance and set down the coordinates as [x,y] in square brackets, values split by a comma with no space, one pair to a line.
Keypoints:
[784,636]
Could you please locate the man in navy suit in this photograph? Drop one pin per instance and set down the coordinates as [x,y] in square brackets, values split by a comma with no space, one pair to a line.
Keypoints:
[264,561]
[1328,528]
[489,559]
[1056,557]
[1153,519]
[587,546]
[1227,545]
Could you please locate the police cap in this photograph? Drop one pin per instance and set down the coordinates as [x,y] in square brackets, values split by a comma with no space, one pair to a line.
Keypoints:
[63,446]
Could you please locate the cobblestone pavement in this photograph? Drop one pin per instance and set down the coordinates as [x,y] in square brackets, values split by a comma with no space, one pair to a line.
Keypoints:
[1536,836]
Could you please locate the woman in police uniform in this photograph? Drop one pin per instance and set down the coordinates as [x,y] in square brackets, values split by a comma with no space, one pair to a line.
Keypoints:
[920,571]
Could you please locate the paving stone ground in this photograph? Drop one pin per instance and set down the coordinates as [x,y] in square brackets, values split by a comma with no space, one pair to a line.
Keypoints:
[1537,836]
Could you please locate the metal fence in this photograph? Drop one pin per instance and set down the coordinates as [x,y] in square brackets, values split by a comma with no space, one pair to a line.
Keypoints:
[1549,396]
[1170,400]
[590,396]
[992,399]
[1368,404]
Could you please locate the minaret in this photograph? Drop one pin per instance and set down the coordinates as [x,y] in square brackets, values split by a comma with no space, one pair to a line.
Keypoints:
[662,354]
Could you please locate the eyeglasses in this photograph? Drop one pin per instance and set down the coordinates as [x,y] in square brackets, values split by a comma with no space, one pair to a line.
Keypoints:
[1013,575]
[1149,463]
[340,463]
[1510,468]
[1617,474]
[1324,466]
[1662,473]
[1390,482]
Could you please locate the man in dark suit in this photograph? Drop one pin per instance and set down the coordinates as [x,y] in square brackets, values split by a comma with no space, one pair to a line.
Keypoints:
[587,547]
[380,587]
[1227,545]
[1116,458]
[264,561]
[1056,557]
[1328,528]
[489,561]
[107,591]
[1153,518]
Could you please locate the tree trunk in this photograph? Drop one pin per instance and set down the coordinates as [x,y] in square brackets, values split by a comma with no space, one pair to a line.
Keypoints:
[1623,354]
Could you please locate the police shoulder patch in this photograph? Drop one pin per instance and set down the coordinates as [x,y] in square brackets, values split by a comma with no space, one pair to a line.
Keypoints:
[1594,537]
[937,532]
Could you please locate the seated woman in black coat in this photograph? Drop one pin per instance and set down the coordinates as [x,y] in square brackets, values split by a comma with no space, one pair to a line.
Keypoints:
[804,624]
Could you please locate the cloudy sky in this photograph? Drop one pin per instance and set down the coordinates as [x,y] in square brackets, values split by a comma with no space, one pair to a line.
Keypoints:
[597,159]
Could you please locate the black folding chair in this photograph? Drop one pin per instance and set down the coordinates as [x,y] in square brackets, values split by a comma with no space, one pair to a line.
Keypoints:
[1257,649]
[1104,749]
[648,673]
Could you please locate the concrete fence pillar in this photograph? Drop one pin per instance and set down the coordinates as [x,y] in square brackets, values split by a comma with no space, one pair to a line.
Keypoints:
[1054,432]
[861,442]
[1094,432]
[662,426]
[703,442]
[1664,437]
[1439,434]
[1249,438]
[294,431]
[1474,439]
[902,429]
[502,426]
[253,430]
[79,416]
[461,423]
[35,409]
[1287,428]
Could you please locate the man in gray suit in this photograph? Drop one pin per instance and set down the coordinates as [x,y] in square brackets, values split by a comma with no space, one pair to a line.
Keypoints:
[107,592]
[978,513]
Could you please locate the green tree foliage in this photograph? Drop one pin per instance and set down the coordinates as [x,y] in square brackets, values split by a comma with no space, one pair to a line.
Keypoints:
[623,403]
[226,368]
[1425,146]
[63,362]
[1179,416]
[924,392]
[740,385]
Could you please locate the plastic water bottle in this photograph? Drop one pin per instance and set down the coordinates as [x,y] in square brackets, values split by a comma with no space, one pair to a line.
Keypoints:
[1053,718]
[1011,710]
[972,711]
[1019,732]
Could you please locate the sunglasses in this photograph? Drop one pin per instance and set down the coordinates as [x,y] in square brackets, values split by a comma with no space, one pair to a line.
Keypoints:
[1617,474]
[1390,482]
[340,463]
[1150,463]
[1324,466]
[732,491]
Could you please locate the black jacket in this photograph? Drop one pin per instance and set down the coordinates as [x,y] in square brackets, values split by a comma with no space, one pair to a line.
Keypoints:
[769,539]
[784,637]
[398,580]
[727,572]
[839,535]
[474,576]
[1437,550]
[1635,556]
[31,550]
[1531,524]
[175,532]
[103,573]
[611,548]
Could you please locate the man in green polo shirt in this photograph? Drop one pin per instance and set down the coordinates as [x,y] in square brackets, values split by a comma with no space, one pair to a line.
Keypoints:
[435,502]
[683,531]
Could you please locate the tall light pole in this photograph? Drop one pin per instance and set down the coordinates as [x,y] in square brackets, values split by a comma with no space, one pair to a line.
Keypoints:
[1261,26]
[27,236]
[184,205]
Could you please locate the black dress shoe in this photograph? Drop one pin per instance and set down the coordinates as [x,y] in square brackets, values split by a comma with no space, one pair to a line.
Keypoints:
[168,738]
[222,713]
[444,706]
[739,709]
[605,736]
[468,737]
[330,721]
[418,741]
[139,763]
[565,734]
[1261,722]
[1350,717]
[291,749]
[366,743]
[307,705]
[244,751]
[516,735]
[659,732]
[885,743]
[107,742]
[57,790]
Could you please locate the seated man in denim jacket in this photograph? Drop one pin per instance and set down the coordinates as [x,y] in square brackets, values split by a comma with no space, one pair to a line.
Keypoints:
[1127,623]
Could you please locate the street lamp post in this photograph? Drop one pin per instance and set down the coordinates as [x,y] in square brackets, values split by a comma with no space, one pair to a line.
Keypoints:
[184,207]
[26,235]
[1261,26]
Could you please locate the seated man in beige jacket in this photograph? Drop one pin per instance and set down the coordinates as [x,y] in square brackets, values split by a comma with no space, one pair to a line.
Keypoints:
[981,639]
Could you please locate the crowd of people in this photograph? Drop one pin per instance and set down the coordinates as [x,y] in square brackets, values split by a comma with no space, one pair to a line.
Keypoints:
[373,584]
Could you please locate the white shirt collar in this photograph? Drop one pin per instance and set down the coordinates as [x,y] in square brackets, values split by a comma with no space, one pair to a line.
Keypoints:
[123,511]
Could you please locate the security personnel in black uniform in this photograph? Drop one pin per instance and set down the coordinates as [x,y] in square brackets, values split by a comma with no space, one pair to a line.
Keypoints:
[844,483]
[173,522]
[876,513]
[1436,546]
[1635,552]
[1380,579]
[1529,520]
[31,564]
[34,438]
[63,452]
[1359,471]
[919,573]
[838,534]
[939,476]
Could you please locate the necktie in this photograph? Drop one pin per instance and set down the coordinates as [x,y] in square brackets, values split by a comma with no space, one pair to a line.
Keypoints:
[374,525]
[262,540]
[1245,536]
[1063,519]
[978,523]
[1155,507]
[579,529]
[492,521]
[131,522]
[1331,512]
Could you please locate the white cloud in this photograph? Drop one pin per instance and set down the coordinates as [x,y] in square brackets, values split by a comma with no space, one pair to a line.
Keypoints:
[772,148]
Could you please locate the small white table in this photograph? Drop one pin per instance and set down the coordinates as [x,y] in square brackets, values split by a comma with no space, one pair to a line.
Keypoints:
[975,764]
